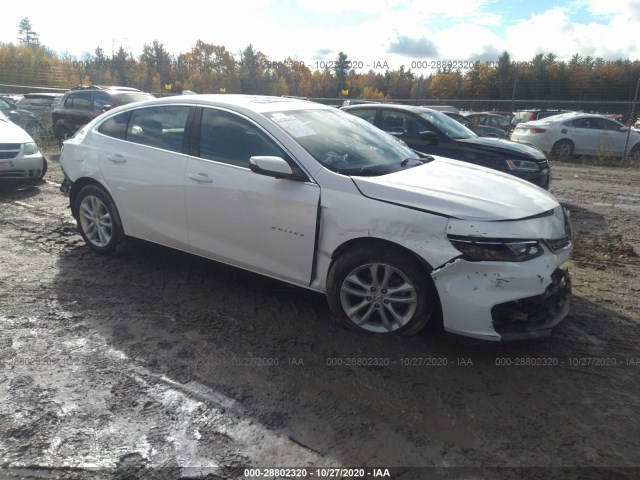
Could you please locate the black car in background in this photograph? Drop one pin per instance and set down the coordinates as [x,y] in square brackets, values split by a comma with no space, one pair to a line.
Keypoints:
[490,119]
[25,119]
[40,104]
[480,130]
[432,132]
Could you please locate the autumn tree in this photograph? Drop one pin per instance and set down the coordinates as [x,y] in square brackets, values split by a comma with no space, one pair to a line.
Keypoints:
[444,85]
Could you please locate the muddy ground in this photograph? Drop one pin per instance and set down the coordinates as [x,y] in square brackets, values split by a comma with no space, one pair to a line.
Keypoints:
[155,364]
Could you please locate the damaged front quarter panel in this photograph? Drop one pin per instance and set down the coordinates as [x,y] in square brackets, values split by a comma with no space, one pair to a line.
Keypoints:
[420,232]
[479,298]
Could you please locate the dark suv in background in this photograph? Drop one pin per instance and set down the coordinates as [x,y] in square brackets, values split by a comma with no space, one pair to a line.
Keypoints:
[79,106]
[432,132]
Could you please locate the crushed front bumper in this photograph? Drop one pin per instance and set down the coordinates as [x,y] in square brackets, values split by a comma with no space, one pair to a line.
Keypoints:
[502,301]
[535,316]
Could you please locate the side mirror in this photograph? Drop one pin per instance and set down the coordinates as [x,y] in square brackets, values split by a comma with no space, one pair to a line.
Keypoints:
[275,167]
[106,108]
[624,129]
[14,116]
[429,136]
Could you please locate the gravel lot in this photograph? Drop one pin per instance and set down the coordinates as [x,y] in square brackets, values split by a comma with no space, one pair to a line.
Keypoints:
[156,364]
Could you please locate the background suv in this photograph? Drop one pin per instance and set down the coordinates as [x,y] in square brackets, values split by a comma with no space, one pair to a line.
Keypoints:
[82,104]
[434,133]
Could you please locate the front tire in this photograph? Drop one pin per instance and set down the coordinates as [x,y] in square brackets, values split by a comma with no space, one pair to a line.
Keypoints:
[634,154]
[378,289]
[98,219]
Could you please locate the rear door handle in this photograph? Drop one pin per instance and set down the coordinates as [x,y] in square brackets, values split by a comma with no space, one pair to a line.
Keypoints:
[117,158]
[200,177]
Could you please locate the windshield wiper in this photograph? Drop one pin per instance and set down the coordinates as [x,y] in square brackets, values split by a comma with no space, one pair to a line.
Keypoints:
[424,160]
[366,171]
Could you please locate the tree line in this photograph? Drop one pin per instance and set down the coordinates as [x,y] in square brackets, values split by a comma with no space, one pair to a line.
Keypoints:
[209,68]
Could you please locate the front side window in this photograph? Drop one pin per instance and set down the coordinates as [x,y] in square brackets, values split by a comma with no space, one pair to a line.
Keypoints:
[100,100]
[228,138]
[160,127]
[368,114]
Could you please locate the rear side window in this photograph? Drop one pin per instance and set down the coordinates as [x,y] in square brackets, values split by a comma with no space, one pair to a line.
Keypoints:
[116,126]
[160,127]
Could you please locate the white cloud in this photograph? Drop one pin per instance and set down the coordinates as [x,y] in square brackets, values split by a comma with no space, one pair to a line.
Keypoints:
[555,32]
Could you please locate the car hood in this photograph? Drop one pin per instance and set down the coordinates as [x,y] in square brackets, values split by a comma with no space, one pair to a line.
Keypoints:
[12,133]
[459,190]
[504,146]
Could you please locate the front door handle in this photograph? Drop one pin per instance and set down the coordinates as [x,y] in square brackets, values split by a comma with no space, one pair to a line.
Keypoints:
[117,158]
[200,177]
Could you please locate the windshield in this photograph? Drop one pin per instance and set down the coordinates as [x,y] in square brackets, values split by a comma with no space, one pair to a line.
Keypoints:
[344,143]
[446,125]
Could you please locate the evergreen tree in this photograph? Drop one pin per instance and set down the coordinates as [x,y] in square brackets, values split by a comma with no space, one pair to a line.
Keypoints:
[26,34]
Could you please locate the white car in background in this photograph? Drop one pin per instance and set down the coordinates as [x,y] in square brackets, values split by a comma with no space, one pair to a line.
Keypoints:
[20,157]
[321,199]
[569,134]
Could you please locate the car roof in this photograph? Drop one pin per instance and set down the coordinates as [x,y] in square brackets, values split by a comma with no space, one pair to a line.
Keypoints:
[567,116]
[42,95]
[255,103]
[396,106]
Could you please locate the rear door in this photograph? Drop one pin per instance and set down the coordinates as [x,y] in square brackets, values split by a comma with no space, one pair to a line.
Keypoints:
[257,222]
[144,167]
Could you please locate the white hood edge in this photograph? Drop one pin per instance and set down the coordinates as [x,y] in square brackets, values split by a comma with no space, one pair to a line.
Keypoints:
[459,190]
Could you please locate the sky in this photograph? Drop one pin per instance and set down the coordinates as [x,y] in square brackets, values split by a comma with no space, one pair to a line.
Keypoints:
[373,33]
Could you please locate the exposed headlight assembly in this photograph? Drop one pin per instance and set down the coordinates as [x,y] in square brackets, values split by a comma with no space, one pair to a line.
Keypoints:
[496,250]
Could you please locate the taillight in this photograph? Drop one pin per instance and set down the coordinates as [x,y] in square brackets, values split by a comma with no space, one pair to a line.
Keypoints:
[537,130]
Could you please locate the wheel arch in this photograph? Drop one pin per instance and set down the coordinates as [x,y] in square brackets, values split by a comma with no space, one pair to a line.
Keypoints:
[363,242]
[79,185]
[436,322]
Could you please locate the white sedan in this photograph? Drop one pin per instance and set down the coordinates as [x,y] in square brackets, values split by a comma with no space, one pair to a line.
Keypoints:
[321,199]
[575,133]
[19,154]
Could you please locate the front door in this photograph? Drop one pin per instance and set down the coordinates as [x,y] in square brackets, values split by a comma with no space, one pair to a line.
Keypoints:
[260,223]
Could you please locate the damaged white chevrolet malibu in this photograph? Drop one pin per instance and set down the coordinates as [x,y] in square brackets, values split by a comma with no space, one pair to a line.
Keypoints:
[318,198]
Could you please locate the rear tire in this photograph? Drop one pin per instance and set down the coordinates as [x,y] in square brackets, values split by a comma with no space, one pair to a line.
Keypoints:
[562,149]
[98,219]
[377,289]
